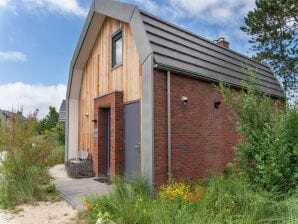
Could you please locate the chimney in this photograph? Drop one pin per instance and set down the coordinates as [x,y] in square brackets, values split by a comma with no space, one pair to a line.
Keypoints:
[222,42]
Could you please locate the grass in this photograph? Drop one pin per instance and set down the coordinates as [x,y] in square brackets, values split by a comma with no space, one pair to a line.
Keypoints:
[24,174]
[28,189]
[221,200]
[24,181]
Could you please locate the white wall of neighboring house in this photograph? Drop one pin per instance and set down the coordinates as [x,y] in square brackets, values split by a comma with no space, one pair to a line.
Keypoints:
[73,127]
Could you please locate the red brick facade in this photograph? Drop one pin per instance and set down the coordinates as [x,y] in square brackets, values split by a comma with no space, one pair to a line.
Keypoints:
[114,101]
[202,136]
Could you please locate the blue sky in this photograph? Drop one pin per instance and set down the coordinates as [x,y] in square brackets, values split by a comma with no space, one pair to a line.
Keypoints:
[38,37]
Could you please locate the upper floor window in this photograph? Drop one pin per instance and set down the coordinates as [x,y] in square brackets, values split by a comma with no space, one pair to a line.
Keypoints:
[117,49]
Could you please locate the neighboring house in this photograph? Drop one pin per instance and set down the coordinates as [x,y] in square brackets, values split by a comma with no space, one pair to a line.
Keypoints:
[62,112]
[2,117]
[5,116]
[141,96]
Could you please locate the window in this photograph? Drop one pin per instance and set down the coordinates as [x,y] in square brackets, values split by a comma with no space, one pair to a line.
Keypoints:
[117,49]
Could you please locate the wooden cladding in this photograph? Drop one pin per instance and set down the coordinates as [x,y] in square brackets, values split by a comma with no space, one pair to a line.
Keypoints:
[99,78]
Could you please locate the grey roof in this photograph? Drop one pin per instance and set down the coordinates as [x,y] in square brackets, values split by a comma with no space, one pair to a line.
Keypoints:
[62,111]
[182,51]
[9,114]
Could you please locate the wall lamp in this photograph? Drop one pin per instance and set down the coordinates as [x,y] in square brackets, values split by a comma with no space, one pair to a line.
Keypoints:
[184,100]
[216,104]
[87,114]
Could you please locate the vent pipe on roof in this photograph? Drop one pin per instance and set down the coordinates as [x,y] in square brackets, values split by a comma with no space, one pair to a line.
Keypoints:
[222,42]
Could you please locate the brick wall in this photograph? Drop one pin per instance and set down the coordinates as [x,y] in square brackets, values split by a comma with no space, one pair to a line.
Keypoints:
[114,101]
[202,136]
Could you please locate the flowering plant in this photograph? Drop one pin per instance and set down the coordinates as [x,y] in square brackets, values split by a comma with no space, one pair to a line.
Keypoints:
[79,170]
[180,191]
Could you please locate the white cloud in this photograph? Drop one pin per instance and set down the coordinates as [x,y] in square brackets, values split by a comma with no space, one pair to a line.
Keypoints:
[30,97]
[213,11]
[149,5]
[12,56]
[223,12]
[62,6]
[3,3]
[210,18]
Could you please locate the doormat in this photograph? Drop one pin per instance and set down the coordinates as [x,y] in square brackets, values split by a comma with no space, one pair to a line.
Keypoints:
[104,180]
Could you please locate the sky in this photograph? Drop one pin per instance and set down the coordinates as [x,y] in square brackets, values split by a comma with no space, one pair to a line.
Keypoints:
[38,38]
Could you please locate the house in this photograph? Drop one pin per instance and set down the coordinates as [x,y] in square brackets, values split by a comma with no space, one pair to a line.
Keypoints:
[141,96]
[62,112]
[6,116]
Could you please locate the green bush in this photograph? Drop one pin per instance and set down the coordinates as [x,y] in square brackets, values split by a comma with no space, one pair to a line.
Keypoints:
[224,199]
[58,133]
[50,188]
[267,152]
[56,156]
[49,122]
[24,171]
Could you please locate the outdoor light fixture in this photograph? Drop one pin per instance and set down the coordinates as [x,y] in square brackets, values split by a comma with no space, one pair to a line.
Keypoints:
[216,104]
[87,114]
[184,100]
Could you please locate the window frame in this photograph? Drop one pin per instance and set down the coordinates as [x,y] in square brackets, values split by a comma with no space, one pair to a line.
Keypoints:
[115,37]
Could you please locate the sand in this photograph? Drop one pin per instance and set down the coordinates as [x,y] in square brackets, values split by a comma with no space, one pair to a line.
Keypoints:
[42,213]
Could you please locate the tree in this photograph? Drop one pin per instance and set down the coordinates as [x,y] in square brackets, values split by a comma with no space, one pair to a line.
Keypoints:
[273,27]
[50,121]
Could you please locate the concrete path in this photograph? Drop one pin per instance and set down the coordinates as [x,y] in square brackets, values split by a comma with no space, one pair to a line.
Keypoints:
[74,190]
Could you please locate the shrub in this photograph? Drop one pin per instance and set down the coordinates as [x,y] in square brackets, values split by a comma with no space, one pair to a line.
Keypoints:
[50,188]
[58,133]
[56,156]
[82,169]
[268,133]
[24,170]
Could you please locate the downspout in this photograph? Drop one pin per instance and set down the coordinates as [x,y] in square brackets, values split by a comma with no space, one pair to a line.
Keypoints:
[169,126]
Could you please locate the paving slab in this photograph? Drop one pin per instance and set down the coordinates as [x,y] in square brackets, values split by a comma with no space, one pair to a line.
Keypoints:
[74,190]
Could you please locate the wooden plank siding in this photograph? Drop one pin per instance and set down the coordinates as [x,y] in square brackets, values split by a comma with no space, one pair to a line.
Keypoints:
[99,78]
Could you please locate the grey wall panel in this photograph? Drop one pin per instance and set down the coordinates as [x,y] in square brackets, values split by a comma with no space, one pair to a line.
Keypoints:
[147,117]
[140,35]
[114,9]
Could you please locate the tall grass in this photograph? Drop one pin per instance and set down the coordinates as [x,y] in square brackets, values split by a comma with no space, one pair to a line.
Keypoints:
[225,200]
[23,173]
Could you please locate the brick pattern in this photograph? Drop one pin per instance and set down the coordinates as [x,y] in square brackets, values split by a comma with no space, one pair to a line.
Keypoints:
[160,129]
[202,136]
[114,101]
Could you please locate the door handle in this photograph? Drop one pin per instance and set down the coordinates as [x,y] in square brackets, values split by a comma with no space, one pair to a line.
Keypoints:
[138,146]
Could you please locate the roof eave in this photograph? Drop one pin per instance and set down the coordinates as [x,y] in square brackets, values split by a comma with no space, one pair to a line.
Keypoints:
[204,78]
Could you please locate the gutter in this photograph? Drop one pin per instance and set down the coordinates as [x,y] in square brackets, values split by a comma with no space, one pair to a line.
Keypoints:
[201,77]
[169,127]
